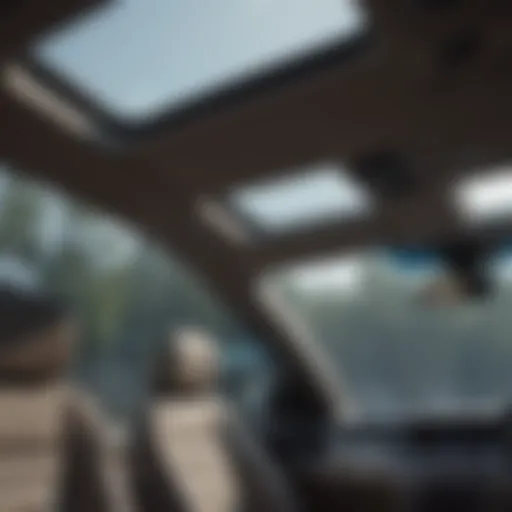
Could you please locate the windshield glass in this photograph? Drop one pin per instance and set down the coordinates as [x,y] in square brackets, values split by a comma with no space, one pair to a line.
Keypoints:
[136,56]
[398,356]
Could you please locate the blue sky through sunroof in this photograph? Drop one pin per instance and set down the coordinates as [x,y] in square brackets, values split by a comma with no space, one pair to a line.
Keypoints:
[139,55]
[303,199]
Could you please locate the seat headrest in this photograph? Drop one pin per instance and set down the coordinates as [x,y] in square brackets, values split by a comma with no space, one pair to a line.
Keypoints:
[190,364]
[36,337]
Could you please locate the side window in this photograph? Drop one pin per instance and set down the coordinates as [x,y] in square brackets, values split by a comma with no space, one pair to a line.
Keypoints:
[97,267]
[246,364]
[247,373]
[128,294]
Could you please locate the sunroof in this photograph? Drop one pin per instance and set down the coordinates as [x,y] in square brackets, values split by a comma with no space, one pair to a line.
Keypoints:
[344,275]
[302,200]
[485,197]
[137,56]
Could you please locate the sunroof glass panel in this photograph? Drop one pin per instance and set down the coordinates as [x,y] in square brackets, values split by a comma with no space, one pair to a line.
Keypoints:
[139,55]
[302,200]
[485,197]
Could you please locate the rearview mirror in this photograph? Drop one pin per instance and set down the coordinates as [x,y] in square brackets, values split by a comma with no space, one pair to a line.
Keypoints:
[455,272]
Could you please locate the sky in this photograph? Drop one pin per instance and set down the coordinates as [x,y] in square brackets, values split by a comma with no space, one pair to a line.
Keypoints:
[485,196]
[139,54]
[305,198]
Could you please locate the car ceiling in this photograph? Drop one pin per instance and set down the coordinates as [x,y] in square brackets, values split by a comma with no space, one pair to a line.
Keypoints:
[430,83]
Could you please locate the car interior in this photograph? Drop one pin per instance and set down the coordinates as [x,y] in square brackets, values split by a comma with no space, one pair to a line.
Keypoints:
[336,173]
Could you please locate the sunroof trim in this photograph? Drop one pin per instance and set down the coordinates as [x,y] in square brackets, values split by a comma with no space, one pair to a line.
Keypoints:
[218,218]
[20,84]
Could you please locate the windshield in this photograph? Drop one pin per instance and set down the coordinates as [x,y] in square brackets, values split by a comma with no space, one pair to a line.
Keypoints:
[399,357]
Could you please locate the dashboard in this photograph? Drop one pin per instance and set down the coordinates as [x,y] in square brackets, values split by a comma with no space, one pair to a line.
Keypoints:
[425,466]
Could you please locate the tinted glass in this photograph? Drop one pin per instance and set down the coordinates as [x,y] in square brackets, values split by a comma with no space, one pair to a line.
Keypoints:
[138,56]
[399,356]
[302,200]
[129,294]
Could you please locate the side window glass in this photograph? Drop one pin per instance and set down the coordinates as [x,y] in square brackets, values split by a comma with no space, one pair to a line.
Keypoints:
[127,293]
[247,374]
[246,364]
[98,269]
